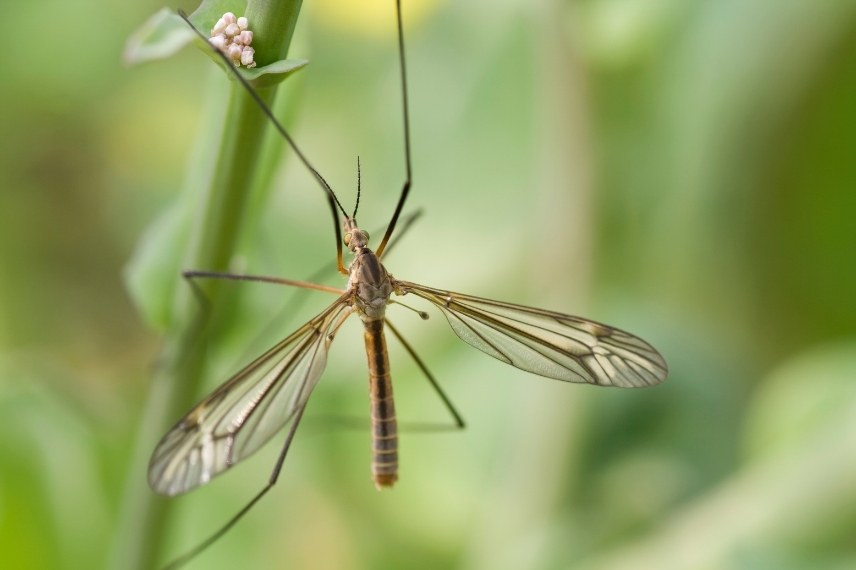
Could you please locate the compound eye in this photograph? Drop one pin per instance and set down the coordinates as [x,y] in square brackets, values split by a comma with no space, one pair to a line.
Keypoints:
[367,236]
[347,239]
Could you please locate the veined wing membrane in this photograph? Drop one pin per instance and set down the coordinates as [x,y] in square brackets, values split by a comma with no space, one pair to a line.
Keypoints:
[547,343]
[246,411]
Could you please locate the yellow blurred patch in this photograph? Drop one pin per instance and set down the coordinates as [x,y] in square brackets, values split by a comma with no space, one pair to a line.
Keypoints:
[375,18]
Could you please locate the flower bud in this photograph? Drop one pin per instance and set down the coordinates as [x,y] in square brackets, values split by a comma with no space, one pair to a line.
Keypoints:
[218,41]
[232,30]
[234,52]
[218,27]
[247,57]
[245,37]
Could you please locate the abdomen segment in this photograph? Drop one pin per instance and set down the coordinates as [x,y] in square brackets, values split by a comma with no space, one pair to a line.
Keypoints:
[384,428]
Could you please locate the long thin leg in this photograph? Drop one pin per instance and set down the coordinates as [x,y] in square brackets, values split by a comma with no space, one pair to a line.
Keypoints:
[405,190]
[360,423]
[266,110]
[338,233]
[331,196]
[194,274]
[195,332]
[459,421]
[406,224]
[189,555]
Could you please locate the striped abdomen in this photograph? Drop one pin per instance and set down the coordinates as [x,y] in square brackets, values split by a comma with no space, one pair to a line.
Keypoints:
[384,429]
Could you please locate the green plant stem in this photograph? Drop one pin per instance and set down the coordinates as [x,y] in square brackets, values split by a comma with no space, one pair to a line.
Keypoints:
[144,516]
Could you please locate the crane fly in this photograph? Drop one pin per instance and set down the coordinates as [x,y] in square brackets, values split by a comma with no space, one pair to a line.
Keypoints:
[272,391]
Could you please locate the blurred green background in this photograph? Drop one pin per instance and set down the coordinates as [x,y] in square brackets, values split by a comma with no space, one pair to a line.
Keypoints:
[681,169]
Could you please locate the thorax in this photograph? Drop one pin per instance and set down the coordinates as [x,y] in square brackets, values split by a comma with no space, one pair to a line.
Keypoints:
[370,283]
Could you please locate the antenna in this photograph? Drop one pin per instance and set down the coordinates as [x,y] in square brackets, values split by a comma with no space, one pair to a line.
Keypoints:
[354,215]
[405,189]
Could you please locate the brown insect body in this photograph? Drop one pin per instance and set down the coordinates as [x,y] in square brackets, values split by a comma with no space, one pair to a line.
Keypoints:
[371,287]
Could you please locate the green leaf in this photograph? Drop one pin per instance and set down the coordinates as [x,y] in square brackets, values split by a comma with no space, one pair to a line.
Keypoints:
[271,74]
[152,272]
[160,37]
[802,397]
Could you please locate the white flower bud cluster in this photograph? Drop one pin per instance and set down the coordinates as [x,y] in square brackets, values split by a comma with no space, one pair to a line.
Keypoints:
[231,36]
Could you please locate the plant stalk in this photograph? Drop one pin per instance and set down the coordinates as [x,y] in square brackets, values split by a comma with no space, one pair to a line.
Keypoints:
[143,519]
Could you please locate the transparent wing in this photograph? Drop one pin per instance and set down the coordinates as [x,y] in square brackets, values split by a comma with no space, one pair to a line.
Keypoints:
[550,344]
[247,410]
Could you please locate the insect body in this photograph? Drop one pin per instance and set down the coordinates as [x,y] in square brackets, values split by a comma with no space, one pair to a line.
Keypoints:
[272,391]
[371,286]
